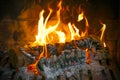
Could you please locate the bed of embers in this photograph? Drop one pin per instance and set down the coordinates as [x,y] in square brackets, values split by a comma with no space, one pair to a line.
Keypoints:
[84,59]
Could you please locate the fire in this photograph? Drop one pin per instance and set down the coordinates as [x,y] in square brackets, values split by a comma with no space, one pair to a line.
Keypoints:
[43,30]
[43,37]
[103,30]
[61,36]
[104,44]
[54,34]
[74,31]
[48,33]
[33,67]
[88,59]
[80,16]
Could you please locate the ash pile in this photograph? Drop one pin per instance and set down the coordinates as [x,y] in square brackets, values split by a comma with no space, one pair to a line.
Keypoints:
[76,60]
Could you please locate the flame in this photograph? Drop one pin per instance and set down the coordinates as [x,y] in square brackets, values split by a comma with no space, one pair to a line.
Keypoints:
[103,30]
[55,34]
[43,32]
[74,31]
[61,36]
[33,67]
[104,44]
[88,59]
[80,16]
[87,26]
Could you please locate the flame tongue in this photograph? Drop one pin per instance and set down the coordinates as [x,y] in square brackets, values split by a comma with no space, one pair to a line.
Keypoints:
[103,30]
[80,16]
[44,31]
[74,31]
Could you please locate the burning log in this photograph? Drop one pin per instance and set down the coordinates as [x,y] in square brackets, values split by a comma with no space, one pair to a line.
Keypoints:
[54,55]
[69,63]
[70,60]
[53,50]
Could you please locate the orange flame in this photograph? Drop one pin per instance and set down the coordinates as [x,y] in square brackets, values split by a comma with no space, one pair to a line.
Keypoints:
[74,31]
[61,36]
[51,34]
[103,30]
[43,36]
[44,31]
[88,59]
[87,26]
[80,16]
[33,67]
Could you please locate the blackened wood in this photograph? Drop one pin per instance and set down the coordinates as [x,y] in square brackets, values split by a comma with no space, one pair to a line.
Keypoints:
[90,75]
[104,75]
[112,74]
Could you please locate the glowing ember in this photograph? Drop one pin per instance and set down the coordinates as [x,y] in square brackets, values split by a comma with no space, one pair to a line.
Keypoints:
[88,59]
[33,68]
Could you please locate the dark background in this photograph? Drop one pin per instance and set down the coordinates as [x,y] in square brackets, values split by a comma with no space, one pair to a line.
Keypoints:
[108,9]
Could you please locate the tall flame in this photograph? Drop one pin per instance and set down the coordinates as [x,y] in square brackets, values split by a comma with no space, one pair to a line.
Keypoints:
[55,34]
[43,32]
[103,30]
[81,17]
[73,30]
